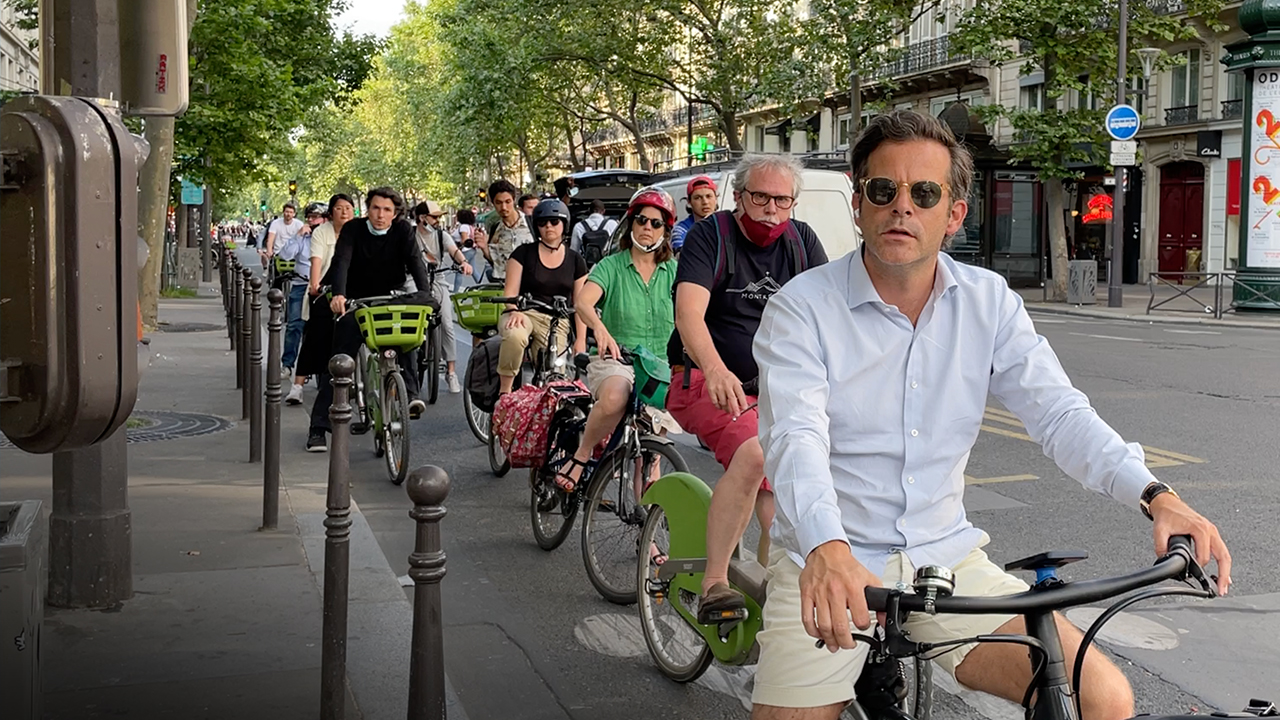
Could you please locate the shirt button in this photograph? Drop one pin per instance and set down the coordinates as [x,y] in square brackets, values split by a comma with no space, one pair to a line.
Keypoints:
[911,480]
[902,522]
[914,384]
[915,433]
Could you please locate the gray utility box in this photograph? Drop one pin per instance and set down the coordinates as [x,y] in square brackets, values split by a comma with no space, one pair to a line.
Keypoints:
[1082,282]
[24,549]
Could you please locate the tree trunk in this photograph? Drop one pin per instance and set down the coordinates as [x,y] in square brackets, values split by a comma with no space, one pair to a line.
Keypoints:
[1055,195]
[634,126]
[153,213]
[573,150]
[855,107]
[729,124]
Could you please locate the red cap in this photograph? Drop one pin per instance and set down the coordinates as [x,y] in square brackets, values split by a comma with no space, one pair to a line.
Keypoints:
[697,182]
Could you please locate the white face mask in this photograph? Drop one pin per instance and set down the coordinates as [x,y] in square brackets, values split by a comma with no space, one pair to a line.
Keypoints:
[375,230]
[635,242]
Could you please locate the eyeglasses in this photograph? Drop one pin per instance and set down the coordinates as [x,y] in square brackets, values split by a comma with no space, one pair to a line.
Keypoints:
[761,199]
[654,223]
[548,221]
[881,191]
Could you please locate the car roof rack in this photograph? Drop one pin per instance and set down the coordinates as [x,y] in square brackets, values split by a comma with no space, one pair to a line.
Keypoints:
[837,160]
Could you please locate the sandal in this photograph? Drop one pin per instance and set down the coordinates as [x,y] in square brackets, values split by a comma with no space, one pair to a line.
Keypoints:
[563,481]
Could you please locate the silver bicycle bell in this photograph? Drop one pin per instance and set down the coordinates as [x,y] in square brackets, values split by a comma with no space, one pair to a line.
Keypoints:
[933,582]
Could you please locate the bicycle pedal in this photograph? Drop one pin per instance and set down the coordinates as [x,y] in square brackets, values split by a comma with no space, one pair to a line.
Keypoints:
[359,428]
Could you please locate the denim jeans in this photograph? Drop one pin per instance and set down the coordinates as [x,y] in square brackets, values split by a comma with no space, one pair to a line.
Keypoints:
[293,323]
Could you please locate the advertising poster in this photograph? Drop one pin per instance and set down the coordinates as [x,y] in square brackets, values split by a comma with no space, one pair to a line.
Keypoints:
[1263,239]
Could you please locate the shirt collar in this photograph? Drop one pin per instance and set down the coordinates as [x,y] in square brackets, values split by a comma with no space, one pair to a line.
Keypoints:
[662,266]
[861,291]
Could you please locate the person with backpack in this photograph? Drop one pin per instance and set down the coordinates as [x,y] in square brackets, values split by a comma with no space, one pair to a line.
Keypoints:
[509,230]
[703,198]
[730,266]
[591,236]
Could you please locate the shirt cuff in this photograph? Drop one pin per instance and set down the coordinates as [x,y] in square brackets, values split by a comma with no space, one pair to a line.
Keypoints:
[1131,479]
[822,525]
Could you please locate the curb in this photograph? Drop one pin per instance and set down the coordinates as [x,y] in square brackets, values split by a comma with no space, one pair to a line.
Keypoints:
[1080,311]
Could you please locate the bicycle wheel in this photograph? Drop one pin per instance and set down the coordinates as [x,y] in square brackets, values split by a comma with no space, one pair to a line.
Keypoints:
[680,653]
[372,417]
[614,517]
[477,419]
[432,364]
[497,458]
[395,420]
[551,509]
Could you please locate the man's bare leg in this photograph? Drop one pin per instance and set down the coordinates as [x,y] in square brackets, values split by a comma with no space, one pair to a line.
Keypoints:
[764,514]
[730,512]
[1004,670]
[773,712]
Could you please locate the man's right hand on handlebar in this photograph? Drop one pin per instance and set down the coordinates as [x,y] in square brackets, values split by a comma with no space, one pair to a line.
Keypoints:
[725,390]
[832,586]
[607,345]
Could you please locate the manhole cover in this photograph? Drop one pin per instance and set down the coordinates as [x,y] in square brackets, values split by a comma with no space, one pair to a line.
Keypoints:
[190,327]
[165,425]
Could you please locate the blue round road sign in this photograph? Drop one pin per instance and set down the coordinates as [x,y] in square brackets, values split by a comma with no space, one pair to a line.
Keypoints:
[1122,122]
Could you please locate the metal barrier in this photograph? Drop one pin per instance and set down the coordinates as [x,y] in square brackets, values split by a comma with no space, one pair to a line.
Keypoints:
[271,468]
[337,545]
[255,373]
[428,487]
[1214,285]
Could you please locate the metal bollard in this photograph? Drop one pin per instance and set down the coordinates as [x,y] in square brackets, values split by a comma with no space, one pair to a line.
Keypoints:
[337,548]
[428,487]
[246,304]
[271,468]
[237,314]
[227,308]
[255,375]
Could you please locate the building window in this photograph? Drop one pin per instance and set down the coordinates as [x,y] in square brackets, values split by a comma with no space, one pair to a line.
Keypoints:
[842,131]
[1033,97]
[1235,86]
[1186,79]
[760,138]
[1085,99]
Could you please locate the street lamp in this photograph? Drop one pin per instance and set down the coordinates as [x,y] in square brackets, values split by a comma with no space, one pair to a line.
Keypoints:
[1148,56]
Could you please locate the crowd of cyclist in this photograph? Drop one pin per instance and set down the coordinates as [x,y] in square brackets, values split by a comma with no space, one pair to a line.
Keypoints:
[715,293]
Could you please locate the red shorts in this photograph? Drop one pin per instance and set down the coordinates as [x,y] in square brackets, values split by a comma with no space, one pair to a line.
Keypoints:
[716,428]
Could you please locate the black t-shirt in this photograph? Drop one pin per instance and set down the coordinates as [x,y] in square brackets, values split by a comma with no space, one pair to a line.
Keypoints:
[367,265]
[545,283]
[737,301]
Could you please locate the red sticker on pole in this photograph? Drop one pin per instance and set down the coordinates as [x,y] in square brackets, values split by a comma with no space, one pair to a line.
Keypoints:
[162,74]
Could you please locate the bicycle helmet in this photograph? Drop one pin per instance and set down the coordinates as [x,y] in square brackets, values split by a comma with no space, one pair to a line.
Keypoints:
[316,208]
[550,208]
[656,198]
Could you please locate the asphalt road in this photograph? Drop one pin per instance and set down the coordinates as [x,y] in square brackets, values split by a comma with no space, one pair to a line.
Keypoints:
[528,637]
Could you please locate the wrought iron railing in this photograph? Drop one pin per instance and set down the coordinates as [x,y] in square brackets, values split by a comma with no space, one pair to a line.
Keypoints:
[660,122]
[1232,109]
[1182,115]
[1209,293]
[919,57]
[1168,7]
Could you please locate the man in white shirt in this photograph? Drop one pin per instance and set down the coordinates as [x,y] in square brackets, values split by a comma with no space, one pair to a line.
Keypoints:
[874,375]
[280,231]
[441,252]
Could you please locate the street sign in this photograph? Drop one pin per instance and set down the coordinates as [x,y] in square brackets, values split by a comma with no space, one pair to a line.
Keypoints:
[1124,146]
[1124,159]
[192,194]
[1122,122]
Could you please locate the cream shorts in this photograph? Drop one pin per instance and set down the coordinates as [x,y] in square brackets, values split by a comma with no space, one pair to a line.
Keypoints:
[793,673]
[601,369]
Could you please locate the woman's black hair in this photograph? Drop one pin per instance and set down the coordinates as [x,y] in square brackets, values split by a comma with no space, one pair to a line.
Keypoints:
[336,197]
[466,217]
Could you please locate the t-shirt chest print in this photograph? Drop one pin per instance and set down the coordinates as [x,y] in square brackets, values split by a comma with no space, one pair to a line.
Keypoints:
[758,290]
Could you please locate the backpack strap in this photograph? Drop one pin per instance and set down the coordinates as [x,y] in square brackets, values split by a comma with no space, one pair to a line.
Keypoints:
[795,248]
[725,255]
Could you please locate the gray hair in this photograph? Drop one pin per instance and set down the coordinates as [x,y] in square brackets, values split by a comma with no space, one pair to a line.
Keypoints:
[752,163]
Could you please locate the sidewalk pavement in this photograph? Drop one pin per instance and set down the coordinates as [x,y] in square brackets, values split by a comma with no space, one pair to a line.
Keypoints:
[1188,310]
[225,620]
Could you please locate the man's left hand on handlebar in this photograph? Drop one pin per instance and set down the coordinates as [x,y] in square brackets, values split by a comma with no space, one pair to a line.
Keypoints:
[338,304]
[1172,517]
[466,268]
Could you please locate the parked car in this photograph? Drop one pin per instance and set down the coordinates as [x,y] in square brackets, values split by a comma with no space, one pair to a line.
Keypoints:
[614,188]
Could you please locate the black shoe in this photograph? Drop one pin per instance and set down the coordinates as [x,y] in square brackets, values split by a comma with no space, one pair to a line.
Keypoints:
[416,408]
[722,604]
[359,428]
[317,442]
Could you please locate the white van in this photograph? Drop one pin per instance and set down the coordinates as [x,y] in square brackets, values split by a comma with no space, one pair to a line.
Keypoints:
[826,204]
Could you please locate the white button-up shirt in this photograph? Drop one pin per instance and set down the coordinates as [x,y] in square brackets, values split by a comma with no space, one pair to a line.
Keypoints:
[867,422]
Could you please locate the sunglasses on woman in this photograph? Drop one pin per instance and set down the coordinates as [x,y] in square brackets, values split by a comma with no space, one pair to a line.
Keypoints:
[654,223]
[882,191]
[548,221]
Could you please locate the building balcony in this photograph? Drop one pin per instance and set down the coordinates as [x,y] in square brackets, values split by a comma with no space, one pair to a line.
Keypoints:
[1232,109]
[662,122]
[921,57]
[1184,115]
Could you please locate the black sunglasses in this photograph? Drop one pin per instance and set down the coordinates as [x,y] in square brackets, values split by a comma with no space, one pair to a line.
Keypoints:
[641,220]
[882,191]
[548,221]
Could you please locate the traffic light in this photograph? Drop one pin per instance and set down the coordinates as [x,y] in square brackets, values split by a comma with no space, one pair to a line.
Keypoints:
[480,193]
[263,206]
[293,187]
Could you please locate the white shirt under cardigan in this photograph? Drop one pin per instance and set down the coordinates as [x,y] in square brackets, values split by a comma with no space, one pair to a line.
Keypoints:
[867,422]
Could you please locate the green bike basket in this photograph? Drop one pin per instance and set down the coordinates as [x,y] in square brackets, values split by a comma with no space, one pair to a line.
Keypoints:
[653,377]
[285,266]
[402,327]
[474,314]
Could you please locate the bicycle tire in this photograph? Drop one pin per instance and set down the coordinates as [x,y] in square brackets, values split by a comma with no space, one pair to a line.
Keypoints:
[619,587]
[498,462]
[552,510]
[396,427]
[477,419]
[432,364]
[373,415]
[681,670]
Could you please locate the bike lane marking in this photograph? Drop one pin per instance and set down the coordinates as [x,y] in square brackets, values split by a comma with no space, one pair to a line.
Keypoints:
[1156,457]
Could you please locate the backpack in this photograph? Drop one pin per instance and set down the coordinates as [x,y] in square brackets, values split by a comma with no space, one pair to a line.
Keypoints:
[594,242]
[482,374]
[522,419]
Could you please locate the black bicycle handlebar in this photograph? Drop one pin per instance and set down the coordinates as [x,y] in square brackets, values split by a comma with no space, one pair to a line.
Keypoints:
[1174,564]
[560,308]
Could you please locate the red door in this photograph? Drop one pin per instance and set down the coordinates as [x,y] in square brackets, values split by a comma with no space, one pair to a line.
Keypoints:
[1181,215]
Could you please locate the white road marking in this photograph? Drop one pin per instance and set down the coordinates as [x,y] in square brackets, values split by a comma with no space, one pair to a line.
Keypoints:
[1107,337]
[1193,332]
[1126,630]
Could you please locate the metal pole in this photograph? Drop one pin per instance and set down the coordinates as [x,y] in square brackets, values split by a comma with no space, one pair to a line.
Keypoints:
[227,305]
[337,548]
[1115,271]
[246,305]
[428,487]
[235,282]
[255,375]
[271,468]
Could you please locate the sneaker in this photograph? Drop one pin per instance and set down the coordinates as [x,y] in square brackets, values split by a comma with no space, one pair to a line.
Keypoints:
[295,395]
[416,408]
[286,373]
[455,387]
[317,442]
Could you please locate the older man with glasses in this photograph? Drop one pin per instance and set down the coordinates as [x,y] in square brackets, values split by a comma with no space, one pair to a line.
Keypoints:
[730,265]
